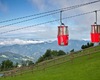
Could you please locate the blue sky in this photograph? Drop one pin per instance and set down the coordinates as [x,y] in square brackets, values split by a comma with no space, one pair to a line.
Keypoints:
[16,8]
[79,28]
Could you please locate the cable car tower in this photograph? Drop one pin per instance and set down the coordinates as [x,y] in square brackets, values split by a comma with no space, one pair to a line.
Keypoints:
[95,31]
[62,36]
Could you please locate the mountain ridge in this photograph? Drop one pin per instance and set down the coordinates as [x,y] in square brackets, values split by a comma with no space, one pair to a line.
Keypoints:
[13,57]
[36,50]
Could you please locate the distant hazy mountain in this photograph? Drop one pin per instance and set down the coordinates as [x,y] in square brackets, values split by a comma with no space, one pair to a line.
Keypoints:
[34,51]
[13,57]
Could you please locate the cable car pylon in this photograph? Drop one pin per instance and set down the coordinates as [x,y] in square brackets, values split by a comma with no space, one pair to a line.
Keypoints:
[95,31]
[63,35]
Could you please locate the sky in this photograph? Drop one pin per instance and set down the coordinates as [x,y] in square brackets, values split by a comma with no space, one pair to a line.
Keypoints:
[79,27]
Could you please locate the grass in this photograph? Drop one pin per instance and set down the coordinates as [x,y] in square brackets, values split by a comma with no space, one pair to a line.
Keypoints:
[81,68]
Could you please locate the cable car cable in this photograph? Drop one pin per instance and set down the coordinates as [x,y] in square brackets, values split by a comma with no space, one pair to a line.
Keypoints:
[63,9]
[69,8]
[27,20]
[47,22]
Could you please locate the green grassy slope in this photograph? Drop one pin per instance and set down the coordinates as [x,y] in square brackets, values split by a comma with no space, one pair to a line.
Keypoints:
[81,68]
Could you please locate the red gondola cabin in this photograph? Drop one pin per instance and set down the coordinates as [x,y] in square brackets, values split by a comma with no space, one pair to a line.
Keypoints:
[62,35]
[95,33]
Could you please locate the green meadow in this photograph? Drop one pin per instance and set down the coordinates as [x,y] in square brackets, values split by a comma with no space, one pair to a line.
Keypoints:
[85,67]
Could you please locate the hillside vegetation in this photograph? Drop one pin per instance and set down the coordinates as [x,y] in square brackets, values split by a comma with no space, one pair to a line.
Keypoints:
[81,65]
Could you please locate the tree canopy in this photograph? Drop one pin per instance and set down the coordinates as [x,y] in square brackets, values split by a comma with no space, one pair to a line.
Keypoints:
[49,54]
[87,45]
[6,65]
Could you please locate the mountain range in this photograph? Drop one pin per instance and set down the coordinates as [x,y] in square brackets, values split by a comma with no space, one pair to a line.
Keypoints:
[18,52]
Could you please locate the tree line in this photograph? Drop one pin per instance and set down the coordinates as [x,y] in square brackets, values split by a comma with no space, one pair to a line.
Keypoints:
[50,54]
[8,64]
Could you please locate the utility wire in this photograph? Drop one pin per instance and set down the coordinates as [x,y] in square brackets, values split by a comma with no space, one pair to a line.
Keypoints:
[68,8]
[47,22]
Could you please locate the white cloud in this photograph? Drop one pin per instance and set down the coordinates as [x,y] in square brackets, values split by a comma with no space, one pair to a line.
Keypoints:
[38,32]
[31,30]
[13,41]
[19,41]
